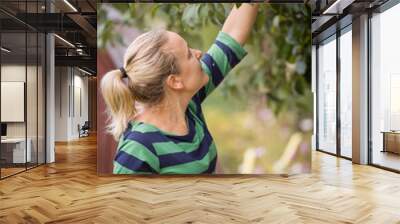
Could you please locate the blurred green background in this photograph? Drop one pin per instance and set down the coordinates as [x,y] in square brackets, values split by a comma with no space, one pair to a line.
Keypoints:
[261,115]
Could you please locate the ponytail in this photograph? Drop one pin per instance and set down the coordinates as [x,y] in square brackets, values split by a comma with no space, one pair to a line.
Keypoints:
[120,102]
[146,66]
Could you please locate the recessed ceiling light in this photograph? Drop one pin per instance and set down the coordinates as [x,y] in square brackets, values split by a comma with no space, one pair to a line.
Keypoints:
[86,72]
[70,5]
[5,49]
[64,40]
[338,6]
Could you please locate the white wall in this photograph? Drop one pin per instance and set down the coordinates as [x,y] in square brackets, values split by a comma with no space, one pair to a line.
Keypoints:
[12,73]
[61,103]
[71,93]
[80,82]
[33,126]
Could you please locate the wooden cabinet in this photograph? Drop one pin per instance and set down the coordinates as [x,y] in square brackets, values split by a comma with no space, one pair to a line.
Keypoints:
[391,142]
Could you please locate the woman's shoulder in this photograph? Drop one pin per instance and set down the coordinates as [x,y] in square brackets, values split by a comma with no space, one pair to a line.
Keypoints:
[136,151]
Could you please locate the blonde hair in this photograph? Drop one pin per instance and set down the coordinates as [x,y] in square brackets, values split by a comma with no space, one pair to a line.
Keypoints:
[147,65]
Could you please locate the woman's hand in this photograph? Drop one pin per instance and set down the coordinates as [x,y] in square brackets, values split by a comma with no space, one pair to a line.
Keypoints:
[240,21]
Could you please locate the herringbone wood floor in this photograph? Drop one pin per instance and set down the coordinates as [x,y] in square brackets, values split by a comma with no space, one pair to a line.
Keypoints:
[69,191]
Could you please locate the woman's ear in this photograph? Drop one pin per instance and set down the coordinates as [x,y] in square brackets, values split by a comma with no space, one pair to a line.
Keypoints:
[175,82]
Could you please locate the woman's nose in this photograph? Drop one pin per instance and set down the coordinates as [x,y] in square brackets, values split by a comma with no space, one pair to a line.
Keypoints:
[198,53]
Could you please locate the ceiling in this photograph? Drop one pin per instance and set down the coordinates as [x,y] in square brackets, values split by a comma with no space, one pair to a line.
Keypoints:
[74,22]
[330,15]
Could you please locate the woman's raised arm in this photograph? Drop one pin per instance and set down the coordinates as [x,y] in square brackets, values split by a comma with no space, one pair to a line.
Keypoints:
[240,21]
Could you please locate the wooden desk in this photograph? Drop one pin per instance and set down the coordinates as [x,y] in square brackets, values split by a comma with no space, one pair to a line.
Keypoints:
[391,141]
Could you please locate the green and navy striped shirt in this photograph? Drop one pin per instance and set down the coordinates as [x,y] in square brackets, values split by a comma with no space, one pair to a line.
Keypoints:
[144,149]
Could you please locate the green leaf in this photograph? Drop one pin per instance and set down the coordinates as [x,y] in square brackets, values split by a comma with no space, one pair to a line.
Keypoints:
[276,21]
[281,36]
[190,15]
[300,67]
[154,9]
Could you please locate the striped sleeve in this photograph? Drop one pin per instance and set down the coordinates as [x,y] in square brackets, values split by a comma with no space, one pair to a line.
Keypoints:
[135,157]
[222,57]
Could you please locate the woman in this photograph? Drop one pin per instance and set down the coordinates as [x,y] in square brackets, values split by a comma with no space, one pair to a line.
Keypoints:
[154,100]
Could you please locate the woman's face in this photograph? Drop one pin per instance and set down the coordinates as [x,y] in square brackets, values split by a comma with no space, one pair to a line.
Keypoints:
[191,77]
